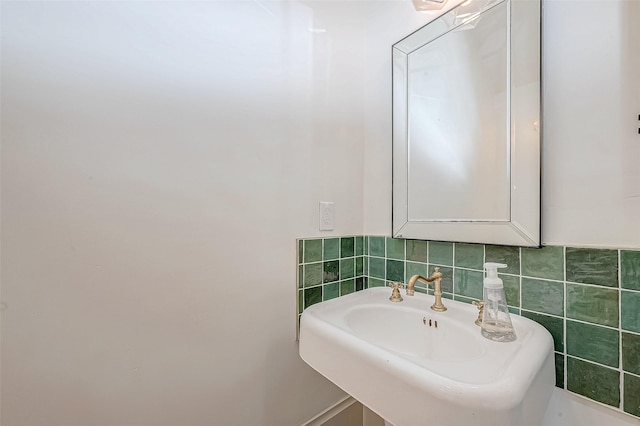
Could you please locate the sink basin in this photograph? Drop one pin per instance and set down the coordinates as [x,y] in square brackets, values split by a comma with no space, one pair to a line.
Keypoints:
[414,366]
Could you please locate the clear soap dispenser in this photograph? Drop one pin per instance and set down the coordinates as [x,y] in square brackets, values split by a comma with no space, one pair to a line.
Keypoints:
[496,321]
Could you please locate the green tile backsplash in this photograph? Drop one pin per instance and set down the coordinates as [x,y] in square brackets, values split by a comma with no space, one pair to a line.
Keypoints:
[631,353]
[593,304]
[440,253]
[417,251]
[376,246]
[469,256]
[593,343]
[503,254]
[630,269]
[593,381]
[347,247]
[467,283]
[631,392]
[312,251]
[331,248]
[395,248]
[588,299]
[546,262]
[630,307]
[592,266]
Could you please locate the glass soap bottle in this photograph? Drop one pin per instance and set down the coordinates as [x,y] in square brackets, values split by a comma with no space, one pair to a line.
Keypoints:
[496,321]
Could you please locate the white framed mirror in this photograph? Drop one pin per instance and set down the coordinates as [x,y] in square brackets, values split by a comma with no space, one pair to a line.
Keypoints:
[466,125]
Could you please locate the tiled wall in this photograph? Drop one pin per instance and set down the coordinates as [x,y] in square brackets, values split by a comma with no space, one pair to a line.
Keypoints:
[588,299]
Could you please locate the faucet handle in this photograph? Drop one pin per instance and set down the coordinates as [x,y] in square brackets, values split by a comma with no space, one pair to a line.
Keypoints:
[480,305]
[395,294]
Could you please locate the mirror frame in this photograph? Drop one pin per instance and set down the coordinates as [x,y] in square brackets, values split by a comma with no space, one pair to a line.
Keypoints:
[524,142]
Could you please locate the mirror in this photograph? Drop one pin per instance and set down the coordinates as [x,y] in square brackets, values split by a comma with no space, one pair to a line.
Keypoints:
[466,125]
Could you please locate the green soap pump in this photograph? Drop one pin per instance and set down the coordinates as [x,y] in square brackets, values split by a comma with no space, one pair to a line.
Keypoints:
[496,321]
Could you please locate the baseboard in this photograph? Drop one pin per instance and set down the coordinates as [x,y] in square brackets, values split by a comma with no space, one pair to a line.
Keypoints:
[331,412]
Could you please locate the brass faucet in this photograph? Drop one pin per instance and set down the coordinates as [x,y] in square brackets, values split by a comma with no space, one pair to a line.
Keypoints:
[436,278]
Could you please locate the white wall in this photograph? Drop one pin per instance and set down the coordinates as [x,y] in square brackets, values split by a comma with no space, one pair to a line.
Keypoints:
[591,179]
[158,161]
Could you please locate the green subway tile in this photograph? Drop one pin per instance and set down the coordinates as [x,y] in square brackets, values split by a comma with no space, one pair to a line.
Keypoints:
[312,250]
[395,270]
[417,250]
[360,284]
[347,287]
[395,248]
[592,266]
[414,268]
[300,276]
[359,246]
[424,290]
[300,250]
[377,267]
[513,310]
[468,283]
[631,353]
[593,343]
[376,246]
[312,274]
[365,266]
[511,289]
[300,301]
[366,245]
[359,266]
[347,268]
[441,253]
[554,325]
[312,296]
[592,304]
[331,248]
[543,296]
[559,358]
[631,395]
[331,291]
[593,381]
[347,247]
[469,256]
[447,278]
[504,254]
[546,262]
[375,282]
[630,269]
[330,271]
[630,310]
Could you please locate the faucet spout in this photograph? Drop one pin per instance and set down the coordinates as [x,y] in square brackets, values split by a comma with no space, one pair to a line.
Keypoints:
[436,278]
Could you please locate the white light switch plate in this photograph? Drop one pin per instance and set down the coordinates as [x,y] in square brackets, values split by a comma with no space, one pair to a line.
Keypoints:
[327,216]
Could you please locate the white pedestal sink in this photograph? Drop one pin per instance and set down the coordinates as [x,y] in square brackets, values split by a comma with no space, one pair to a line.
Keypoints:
[414,366]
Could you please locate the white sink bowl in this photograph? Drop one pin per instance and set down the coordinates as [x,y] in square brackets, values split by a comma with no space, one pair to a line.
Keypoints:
[387,356]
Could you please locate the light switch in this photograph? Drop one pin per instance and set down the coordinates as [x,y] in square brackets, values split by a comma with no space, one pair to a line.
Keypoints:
[327,216]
